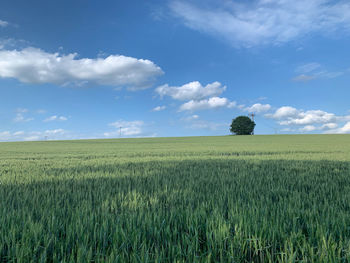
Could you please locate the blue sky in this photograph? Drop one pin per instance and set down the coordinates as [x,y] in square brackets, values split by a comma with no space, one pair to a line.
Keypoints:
[83,69]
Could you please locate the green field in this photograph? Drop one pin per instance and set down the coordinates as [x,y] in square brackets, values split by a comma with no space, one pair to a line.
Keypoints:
[280,198]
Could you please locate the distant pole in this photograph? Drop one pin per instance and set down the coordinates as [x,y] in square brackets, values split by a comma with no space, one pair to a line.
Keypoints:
[120,131]
[252,115]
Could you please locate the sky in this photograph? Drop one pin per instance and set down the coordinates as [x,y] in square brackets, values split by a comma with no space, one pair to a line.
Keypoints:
[157,68]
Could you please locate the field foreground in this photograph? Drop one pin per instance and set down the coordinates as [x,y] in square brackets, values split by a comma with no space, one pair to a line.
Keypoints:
[280,198]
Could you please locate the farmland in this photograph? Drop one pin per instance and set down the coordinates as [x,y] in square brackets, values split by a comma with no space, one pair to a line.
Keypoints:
[280,198]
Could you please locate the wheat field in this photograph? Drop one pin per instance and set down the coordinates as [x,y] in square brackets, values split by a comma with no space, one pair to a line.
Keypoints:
[268,198]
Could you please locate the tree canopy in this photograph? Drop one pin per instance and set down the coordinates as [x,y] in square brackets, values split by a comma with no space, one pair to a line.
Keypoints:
[242,125]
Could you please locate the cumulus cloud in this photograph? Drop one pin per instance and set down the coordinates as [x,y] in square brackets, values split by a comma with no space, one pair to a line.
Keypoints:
[258,108]
[191,91]
[284,112]
[3,23]
[126,128]
[56,118]
[310,117]
[251,23]
[205,104]
[32,65]
[198,97]
[159,108]
[344,129]
[310,120]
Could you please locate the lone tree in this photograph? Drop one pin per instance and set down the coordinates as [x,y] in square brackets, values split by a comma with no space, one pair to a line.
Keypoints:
[242,125]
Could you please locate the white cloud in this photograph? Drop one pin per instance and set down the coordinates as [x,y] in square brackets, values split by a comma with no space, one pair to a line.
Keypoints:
[21,110]
[200,97]
[251,23]
[288,129]
[303,78]
[344,129]
[127,128]
[306,68]
[258,108]
[262,98]
[11,43]
[20,115]
[329,126]
[32,138]
[21,118]
[191,118]
[62,118]
[56,118]
[211,103]
[158,13]
[18,133]
[233,104]
[284,112]
[310,117]
[55,134]
[191,91]
[328,75]
[159,108]
[314,70]
[41,111]
[32,65]
[3,23]
[5,135]
[308,128]
[311,120]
